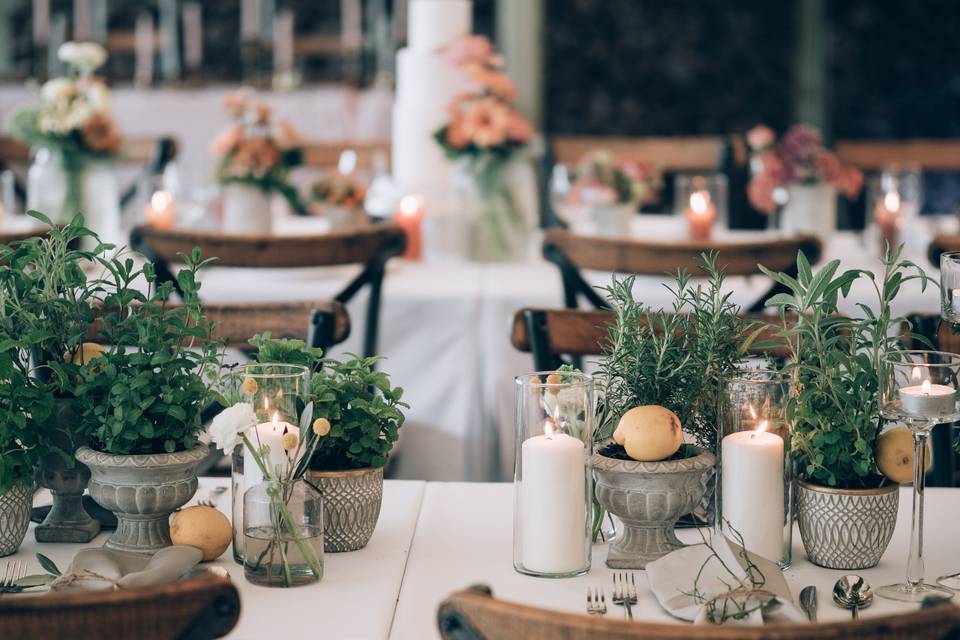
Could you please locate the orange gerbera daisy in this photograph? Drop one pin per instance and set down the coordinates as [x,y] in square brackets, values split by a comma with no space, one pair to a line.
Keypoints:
[485,121]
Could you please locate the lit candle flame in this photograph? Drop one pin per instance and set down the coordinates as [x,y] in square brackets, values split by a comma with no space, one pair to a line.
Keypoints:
[699,201]
[276,419]
[753,411]
[891,201]
[763,426]
[410,205]
[925,388]
[915,375]
[160,200]
[549,428]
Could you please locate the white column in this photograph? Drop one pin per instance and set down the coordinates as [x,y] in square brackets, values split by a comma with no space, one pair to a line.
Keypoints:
[520,29]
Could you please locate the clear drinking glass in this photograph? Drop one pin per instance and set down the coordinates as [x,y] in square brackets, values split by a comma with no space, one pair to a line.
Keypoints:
[950,286]
[553,497]
[276,391]
[920,390]
[283,534]
[755,488]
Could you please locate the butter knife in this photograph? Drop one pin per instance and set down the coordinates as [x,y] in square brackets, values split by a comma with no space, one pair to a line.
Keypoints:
[808,602]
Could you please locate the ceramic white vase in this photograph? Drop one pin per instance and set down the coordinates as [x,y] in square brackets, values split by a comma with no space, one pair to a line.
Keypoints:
[812,208]
[247,210]
[95,193]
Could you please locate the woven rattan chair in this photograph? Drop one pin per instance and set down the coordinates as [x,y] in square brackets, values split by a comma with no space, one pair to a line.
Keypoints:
[370,247]
[194,609]
[572,252]
[475,615]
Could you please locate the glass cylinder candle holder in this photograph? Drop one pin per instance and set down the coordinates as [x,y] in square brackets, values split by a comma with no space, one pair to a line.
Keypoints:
[950,286]
[702,201]
[277,393]
[755,491]
[920,391]
[552,518]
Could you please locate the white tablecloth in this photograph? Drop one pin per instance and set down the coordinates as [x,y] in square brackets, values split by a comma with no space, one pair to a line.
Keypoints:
[465,537]
[444,330]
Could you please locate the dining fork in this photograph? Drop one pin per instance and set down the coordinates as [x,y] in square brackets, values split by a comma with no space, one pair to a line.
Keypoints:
[596,602]
[624,592]
[13,572]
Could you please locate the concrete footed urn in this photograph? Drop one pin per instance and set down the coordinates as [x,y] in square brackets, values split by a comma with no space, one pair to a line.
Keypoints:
[649,497]
[142,490]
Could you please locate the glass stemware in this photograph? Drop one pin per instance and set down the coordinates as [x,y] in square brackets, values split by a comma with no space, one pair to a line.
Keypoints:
[920,391]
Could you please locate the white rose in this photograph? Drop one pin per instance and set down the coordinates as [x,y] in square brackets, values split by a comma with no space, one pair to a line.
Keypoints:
[83,56]
[57,89]
[226,427]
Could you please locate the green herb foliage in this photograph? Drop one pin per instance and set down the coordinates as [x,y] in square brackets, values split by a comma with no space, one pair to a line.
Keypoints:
[364,410]
[836,366]
[147,392]
[676,358]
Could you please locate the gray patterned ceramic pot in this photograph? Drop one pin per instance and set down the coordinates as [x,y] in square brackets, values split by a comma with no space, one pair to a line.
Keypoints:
[142,490]
[846,528]
[649,497]
[351,506]
[15,507]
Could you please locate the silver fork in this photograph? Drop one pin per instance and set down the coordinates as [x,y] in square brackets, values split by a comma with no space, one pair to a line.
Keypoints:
[596,602]
[624,592]
[13,572]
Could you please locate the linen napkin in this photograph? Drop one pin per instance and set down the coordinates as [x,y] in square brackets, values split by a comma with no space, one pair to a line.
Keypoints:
[104,569]
[672,579]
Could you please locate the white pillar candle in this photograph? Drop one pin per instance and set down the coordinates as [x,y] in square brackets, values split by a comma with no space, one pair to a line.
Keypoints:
[553,504]
[928,400]
[269,434]
[753,493]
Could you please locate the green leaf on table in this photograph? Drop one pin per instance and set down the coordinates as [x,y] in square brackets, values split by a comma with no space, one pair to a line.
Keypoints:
[49,565]
[36,580]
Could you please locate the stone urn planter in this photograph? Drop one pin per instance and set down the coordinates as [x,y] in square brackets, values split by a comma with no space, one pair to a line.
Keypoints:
[351,506]
[846,528]
[67,520]
[142,490]
[15,507]
[649,498]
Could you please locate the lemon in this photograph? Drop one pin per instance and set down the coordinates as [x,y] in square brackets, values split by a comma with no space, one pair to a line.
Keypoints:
[649,433]
[895,454]
[85,353]
[204,528]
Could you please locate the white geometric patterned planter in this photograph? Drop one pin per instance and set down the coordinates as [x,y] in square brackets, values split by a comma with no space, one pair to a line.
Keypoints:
[351,506]
[846,528]
[14,517]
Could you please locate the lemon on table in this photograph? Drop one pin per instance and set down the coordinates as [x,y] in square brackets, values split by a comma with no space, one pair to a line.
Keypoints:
[895,455]
[204,528]
[86,352]
[649,433]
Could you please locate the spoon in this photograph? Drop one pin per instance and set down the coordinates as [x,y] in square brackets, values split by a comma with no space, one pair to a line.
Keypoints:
[808,602]
[851,592]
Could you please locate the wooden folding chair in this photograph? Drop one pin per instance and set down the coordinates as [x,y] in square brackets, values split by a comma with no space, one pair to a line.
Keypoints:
[875,155]
[474,614]
[940,244]
[370,247]
[572,252]
[327,154]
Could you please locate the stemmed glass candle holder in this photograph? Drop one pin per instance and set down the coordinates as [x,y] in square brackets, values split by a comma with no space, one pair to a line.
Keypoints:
[274,390]
[950,286]
[920,391]
[552,485]
[702,201]
[755,490]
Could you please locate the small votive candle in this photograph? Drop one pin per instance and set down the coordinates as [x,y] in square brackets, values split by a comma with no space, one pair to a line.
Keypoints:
[162,210]
[928,400]
[701,215]
[410,219]
[887,215]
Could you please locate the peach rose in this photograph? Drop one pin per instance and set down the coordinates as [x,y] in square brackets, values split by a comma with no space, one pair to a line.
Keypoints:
[101,133]
[236,103]
[496,82]
[485,121]
[457,137]
[254,155]
[288,136]
[519,128]
[226,140]
[261,113]
[760,137]
[760,192]
[472,49]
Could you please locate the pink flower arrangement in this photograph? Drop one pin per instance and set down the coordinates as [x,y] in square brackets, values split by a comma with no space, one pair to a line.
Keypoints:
[798,158]
[482,119]
[602,179]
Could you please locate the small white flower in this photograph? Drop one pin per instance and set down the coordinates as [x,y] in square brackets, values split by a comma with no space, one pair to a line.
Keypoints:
[83,56]
[58,89]
[227,426]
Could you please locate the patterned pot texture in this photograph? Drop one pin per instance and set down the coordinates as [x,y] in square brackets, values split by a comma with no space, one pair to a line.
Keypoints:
[351,506]
[67,520]
[15,507]
[649,498]
[142,490]
[846,528]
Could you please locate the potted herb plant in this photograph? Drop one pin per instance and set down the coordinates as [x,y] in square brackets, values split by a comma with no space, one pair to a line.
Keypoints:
[847,509]
[46,306]
[141,405]
[357,416]
[662,373]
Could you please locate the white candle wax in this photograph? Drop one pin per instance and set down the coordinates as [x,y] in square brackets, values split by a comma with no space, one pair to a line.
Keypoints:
[929,400]
[553,504]
[753,494]
[270,434]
